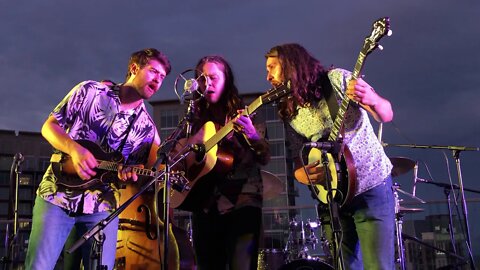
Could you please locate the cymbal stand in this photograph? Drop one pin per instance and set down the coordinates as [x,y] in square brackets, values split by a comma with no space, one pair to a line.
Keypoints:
[398,228]
[456,155]
[447,191]
[312,238]
[447,188]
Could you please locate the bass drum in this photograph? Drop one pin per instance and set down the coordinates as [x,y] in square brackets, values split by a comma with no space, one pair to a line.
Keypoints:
[306,264]
[271,259]
[137,243]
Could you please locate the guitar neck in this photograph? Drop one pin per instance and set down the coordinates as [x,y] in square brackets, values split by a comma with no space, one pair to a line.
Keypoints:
[337,125]
[113,166]
[222,132]
[358,65]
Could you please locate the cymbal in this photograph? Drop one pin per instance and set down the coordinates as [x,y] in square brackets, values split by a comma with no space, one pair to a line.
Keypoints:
[401,165]
[405,210]
[272,185]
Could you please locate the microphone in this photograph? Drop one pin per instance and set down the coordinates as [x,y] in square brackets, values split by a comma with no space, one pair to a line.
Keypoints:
[190,85]
[18,158]
[199,150]
[415,175]
[321,145]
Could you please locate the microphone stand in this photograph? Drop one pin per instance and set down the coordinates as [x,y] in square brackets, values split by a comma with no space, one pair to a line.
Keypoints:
[166,213]
[163,158]
[334,215]
[189,117]
[456,155]
[10,237]
[447,188]
[409,237]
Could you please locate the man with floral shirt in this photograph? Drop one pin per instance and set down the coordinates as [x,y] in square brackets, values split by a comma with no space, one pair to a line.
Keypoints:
[367,221]
[116,120]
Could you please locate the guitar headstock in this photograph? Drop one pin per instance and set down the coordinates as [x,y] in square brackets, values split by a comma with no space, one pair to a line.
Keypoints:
[276,93]
[380,28]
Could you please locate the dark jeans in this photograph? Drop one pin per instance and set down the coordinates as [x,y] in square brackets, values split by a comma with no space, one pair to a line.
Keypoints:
[228,241]
[368,229]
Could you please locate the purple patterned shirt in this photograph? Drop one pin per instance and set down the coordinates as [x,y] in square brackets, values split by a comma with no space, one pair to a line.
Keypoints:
[91,111]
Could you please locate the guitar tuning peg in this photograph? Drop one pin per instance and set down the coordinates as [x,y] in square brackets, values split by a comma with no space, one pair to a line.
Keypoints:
[390,32]
[380,47]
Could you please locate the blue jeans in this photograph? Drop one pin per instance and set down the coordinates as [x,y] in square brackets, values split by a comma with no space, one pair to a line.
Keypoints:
[368,229]
[51,226]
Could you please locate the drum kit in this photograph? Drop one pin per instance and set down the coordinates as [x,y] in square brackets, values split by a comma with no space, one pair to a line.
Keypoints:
[299,250]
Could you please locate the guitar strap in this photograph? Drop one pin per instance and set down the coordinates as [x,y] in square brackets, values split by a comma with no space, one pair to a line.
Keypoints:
[333,107]
[331,100]
[127,131]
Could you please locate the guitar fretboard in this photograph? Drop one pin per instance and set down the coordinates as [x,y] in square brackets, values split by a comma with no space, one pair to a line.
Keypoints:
[266,98]
[113,166]
[337,125]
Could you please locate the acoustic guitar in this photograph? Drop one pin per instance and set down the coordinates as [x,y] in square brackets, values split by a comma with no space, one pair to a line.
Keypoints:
[210,136]
[107,169]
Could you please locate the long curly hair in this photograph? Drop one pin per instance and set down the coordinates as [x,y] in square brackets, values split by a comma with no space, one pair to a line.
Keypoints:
[230,99]
[307,77]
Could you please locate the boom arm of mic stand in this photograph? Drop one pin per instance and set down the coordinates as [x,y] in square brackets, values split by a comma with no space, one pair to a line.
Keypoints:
[448,147]
[103,223]
[406,236]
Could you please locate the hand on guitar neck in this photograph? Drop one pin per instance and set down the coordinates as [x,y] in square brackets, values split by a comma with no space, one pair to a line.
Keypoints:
[360,91]
[243,123]
[71,170]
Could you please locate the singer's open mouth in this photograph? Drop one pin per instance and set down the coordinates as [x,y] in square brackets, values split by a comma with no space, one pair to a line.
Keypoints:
[153,87]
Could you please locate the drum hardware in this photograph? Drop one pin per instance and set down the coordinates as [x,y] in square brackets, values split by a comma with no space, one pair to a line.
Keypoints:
[297,252]
[447,189]
[399,213]
[271,259]
[456,150]
[306,264]
[302,240]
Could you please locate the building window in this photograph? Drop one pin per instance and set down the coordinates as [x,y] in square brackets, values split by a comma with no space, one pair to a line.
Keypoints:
[276,166]
[275,130]
[168,118]
[43,163]
[165,132]
[277,148]
[270,112]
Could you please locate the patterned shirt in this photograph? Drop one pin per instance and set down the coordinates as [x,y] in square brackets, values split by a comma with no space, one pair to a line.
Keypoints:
[91,111]
[312,123]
